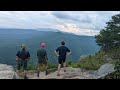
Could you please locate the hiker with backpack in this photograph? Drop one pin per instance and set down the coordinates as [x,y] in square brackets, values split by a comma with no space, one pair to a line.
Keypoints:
[62,52]
[22,57]
[42,58]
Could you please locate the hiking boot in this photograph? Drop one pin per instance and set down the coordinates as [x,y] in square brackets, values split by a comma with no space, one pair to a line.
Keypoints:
[25,77]
[46,73]
[64,70]
[37,74]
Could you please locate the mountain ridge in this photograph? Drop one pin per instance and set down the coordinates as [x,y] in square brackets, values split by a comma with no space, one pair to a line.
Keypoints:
[11,41]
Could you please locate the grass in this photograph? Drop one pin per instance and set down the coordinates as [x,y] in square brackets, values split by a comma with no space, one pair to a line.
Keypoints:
[34,67]
[90,62]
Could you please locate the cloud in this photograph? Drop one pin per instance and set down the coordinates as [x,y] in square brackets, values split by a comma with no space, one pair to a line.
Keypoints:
[71,16]
[77,22]
[72,28]
[86,19]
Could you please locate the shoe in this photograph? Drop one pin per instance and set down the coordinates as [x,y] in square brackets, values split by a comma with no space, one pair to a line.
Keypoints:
[37,74]
[64,70]
[25,77]
[58,74]
[46,72]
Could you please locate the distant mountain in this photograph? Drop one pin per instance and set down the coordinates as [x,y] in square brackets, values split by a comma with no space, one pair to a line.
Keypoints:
[11,39]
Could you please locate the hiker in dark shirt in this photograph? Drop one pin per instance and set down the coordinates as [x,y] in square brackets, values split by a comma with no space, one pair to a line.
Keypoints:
[62,52]
[42,58]
[22,57]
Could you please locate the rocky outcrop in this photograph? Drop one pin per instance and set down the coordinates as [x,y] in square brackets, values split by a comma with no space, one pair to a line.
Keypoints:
[7,72]
[75,73]
[105,70]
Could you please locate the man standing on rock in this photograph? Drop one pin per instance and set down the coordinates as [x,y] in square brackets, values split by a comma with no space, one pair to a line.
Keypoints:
[22,58]
[42,58]
[62,52]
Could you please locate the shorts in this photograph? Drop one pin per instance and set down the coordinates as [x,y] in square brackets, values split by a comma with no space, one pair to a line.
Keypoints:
[22,63]
[42,61]
[61,60]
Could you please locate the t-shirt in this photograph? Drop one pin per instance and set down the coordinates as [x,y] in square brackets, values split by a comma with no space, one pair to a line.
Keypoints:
[42,53]
[19,53]
[62,51]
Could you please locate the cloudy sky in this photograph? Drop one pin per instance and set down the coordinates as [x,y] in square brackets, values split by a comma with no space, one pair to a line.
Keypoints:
[77,22]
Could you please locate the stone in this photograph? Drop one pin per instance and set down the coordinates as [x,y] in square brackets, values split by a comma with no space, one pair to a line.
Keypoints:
[7,72]
[105,69]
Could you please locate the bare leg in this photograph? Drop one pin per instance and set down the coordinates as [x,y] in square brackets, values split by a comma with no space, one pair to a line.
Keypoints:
[25,74]
[38,69]
[59,68]
[46,68]
[64,66]
[17,71]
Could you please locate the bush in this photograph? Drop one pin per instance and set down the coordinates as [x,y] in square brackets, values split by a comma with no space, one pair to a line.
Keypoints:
[32,67]
[114,75]
[91,62]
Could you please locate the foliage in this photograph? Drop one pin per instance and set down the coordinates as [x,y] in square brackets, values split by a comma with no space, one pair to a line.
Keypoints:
[109,37]
[91,62]
[114,75]
[34,67]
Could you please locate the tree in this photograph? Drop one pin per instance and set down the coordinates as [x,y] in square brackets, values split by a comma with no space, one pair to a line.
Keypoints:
[109,37]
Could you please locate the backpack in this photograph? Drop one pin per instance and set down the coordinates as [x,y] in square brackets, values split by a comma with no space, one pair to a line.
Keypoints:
[23,55]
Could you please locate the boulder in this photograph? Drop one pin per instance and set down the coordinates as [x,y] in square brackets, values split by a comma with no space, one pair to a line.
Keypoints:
[104,70]
[7,72]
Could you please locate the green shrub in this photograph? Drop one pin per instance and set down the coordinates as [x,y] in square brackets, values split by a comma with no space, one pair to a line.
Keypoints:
[91,62]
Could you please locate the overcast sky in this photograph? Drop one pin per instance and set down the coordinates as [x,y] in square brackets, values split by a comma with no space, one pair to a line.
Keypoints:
[77,22]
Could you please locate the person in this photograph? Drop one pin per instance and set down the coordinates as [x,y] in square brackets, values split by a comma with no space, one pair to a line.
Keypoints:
[62,52]
[22,57]
[42,58]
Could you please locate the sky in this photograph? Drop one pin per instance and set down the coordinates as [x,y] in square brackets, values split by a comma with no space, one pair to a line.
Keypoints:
[78,22]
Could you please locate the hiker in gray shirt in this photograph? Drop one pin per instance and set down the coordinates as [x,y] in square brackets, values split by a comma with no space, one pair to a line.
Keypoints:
[42,58]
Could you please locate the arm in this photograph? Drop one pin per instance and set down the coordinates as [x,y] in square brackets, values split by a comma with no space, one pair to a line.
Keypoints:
[68,53]
[46,55]
[56,53]
[17,55]
[17,58]
[28,56]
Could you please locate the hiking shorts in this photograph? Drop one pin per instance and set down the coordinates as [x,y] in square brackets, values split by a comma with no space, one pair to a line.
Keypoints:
[42,61]
[22,63]
[61,59]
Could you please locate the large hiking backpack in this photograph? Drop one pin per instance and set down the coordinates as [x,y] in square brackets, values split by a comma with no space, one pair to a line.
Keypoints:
[23,55]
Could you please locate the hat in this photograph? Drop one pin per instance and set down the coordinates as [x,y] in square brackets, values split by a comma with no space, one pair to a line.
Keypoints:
[42,45]
[23,46]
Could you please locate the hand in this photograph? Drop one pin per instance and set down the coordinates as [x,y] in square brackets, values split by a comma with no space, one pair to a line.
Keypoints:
[68,53]
[56,53]
[16,59]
